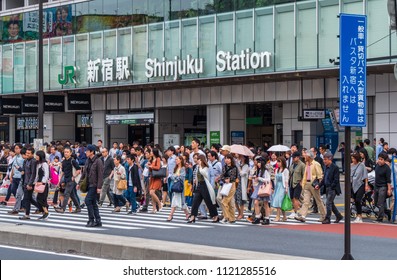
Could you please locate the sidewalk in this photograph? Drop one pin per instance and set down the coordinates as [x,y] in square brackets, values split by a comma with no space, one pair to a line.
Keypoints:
[121,248]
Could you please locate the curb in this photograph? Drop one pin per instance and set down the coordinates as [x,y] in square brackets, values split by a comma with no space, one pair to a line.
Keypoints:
[120,247]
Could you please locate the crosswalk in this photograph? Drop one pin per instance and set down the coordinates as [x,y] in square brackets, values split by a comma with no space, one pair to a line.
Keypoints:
[123,221]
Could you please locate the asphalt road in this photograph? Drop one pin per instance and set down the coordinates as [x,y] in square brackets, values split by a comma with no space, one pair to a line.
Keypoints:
[16,253]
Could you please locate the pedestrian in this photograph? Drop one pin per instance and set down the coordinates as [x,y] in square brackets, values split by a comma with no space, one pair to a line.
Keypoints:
[133,182]
[260,177]
[311,180]
[281,188]
[204,191]
[297,171]
[229,175]
[155,184]
[382,185]
[359,179]
[67,180]
[15,176]
[28,183]
[178,198]
[331,187]
[42,178]
[118,174]
[93,174]
[241,196]
[108,169]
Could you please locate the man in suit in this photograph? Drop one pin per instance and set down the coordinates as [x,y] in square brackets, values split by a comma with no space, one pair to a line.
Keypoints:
[331,187]
[108,169]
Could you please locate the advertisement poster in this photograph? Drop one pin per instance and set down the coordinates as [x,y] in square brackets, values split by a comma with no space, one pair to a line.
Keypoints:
[171,140]
[237,137]
[215,137]
[25,26]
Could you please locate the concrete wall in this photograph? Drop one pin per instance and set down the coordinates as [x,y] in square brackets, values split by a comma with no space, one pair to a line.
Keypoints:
[63,126]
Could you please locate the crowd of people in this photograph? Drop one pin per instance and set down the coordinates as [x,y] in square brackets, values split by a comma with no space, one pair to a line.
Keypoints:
[214,183]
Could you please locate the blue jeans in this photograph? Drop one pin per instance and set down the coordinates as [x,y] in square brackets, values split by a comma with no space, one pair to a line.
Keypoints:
[12,189]
[131,197]
[330,205]
[118,200]
[92,206]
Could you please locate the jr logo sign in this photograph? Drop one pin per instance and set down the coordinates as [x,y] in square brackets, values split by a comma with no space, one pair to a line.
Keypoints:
[69,75]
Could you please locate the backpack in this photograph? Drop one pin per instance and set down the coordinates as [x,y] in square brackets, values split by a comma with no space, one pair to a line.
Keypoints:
[54,176]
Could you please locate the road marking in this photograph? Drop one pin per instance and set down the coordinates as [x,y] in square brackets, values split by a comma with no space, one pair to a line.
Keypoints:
[48,253]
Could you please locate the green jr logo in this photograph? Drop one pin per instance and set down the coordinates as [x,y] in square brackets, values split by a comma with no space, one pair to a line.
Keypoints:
[69,75]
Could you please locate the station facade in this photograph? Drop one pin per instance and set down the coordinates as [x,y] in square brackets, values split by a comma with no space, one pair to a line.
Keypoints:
[166,71]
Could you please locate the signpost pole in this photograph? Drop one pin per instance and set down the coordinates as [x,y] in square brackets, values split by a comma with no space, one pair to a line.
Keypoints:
[41,72]
[347,255]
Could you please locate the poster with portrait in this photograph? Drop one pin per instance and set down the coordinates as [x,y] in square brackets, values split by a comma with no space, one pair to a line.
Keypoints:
[13,29]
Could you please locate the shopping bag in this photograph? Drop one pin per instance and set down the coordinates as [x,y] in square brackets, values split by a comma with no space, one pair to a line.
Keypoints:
[286,205]
[226,189]
[266,189]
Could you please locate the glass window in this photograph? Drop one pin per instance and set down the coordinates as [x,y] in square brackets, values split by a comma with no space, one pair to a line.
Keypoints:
[378,28]
[31,66]
[95,53]
[244,34]
[110,7]
[55,62]
[124,7]
[82,18]
[188,9]
[155,11]
[172,47]
[8,73]
[306,36]
[206,7]
[110,52]
[140,11]
[328,32]
[139,53]
[156,45]
[285,39]
[264,34]
[82,59]
[353,7]
[68,56]
[124,49]
[1,67]
[19,67]
[207,45]
[244,4]
[189,41]
[225,38]
[222,6]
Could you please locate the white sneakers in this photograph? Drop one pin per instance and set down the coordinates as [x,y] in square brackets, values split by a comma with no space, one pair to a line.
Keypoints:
[358,220]
[292,216]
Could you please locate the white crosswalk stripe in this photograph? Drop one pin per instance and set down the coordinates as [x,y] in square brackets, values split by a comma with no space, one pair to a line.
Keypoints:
[122,220]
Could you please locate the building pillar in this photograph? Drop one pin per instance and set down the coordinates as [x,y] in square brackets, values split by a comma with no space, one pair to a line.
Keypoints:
[217,122]
[12,129]
[48,129]
[237,121]
[309,134]
[99,127]
[156,129]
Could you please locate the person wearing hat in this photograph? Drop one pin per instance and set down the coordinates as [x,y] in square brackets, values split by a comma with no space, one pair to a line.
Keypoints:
[225,150]
[310,183]
[331,186]
[297,171]
[93,173]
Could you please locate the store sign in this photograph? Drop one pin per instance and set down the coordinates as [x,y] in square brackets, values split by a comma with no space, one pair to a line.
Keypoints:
[24,123]
[352,70]
[143,118]
[171,140]
[215,137]
[103,70]
[313,114]
[79,102]
[30,104]
[84,121]
[69,75]
[237,137]
[54,103]
[226,61]
[11,106]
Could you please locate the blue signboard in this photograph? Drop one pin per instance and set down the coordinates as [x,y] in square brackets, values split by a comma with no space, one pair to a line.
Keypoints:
[353,70]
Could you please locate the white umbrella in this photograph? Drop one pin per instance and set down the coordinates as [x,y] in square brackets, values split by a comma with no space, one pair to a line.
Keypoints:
[241,150]
[278,148]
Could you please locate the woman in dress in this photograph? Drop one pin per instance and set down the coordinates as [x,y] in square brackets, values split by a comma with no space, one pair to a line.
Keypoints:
[281,188]
[155,184]
[164,164]
[261,176]
[42,177]
[118,174]
[241,191]
[178,199]
[203,191]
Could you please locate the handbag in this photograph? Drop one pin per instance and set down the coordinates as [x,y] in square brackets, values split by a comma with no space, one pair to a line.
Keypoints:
[286,205]
[226,189]
[266,189]
[315,183]
[39,187]
[177,186]
[161,173]
[83,185]
[122,185]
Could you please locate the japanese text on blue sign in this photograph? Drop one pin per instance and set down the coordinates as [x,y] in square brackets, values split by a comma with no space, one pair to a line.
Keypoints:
[353,73]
